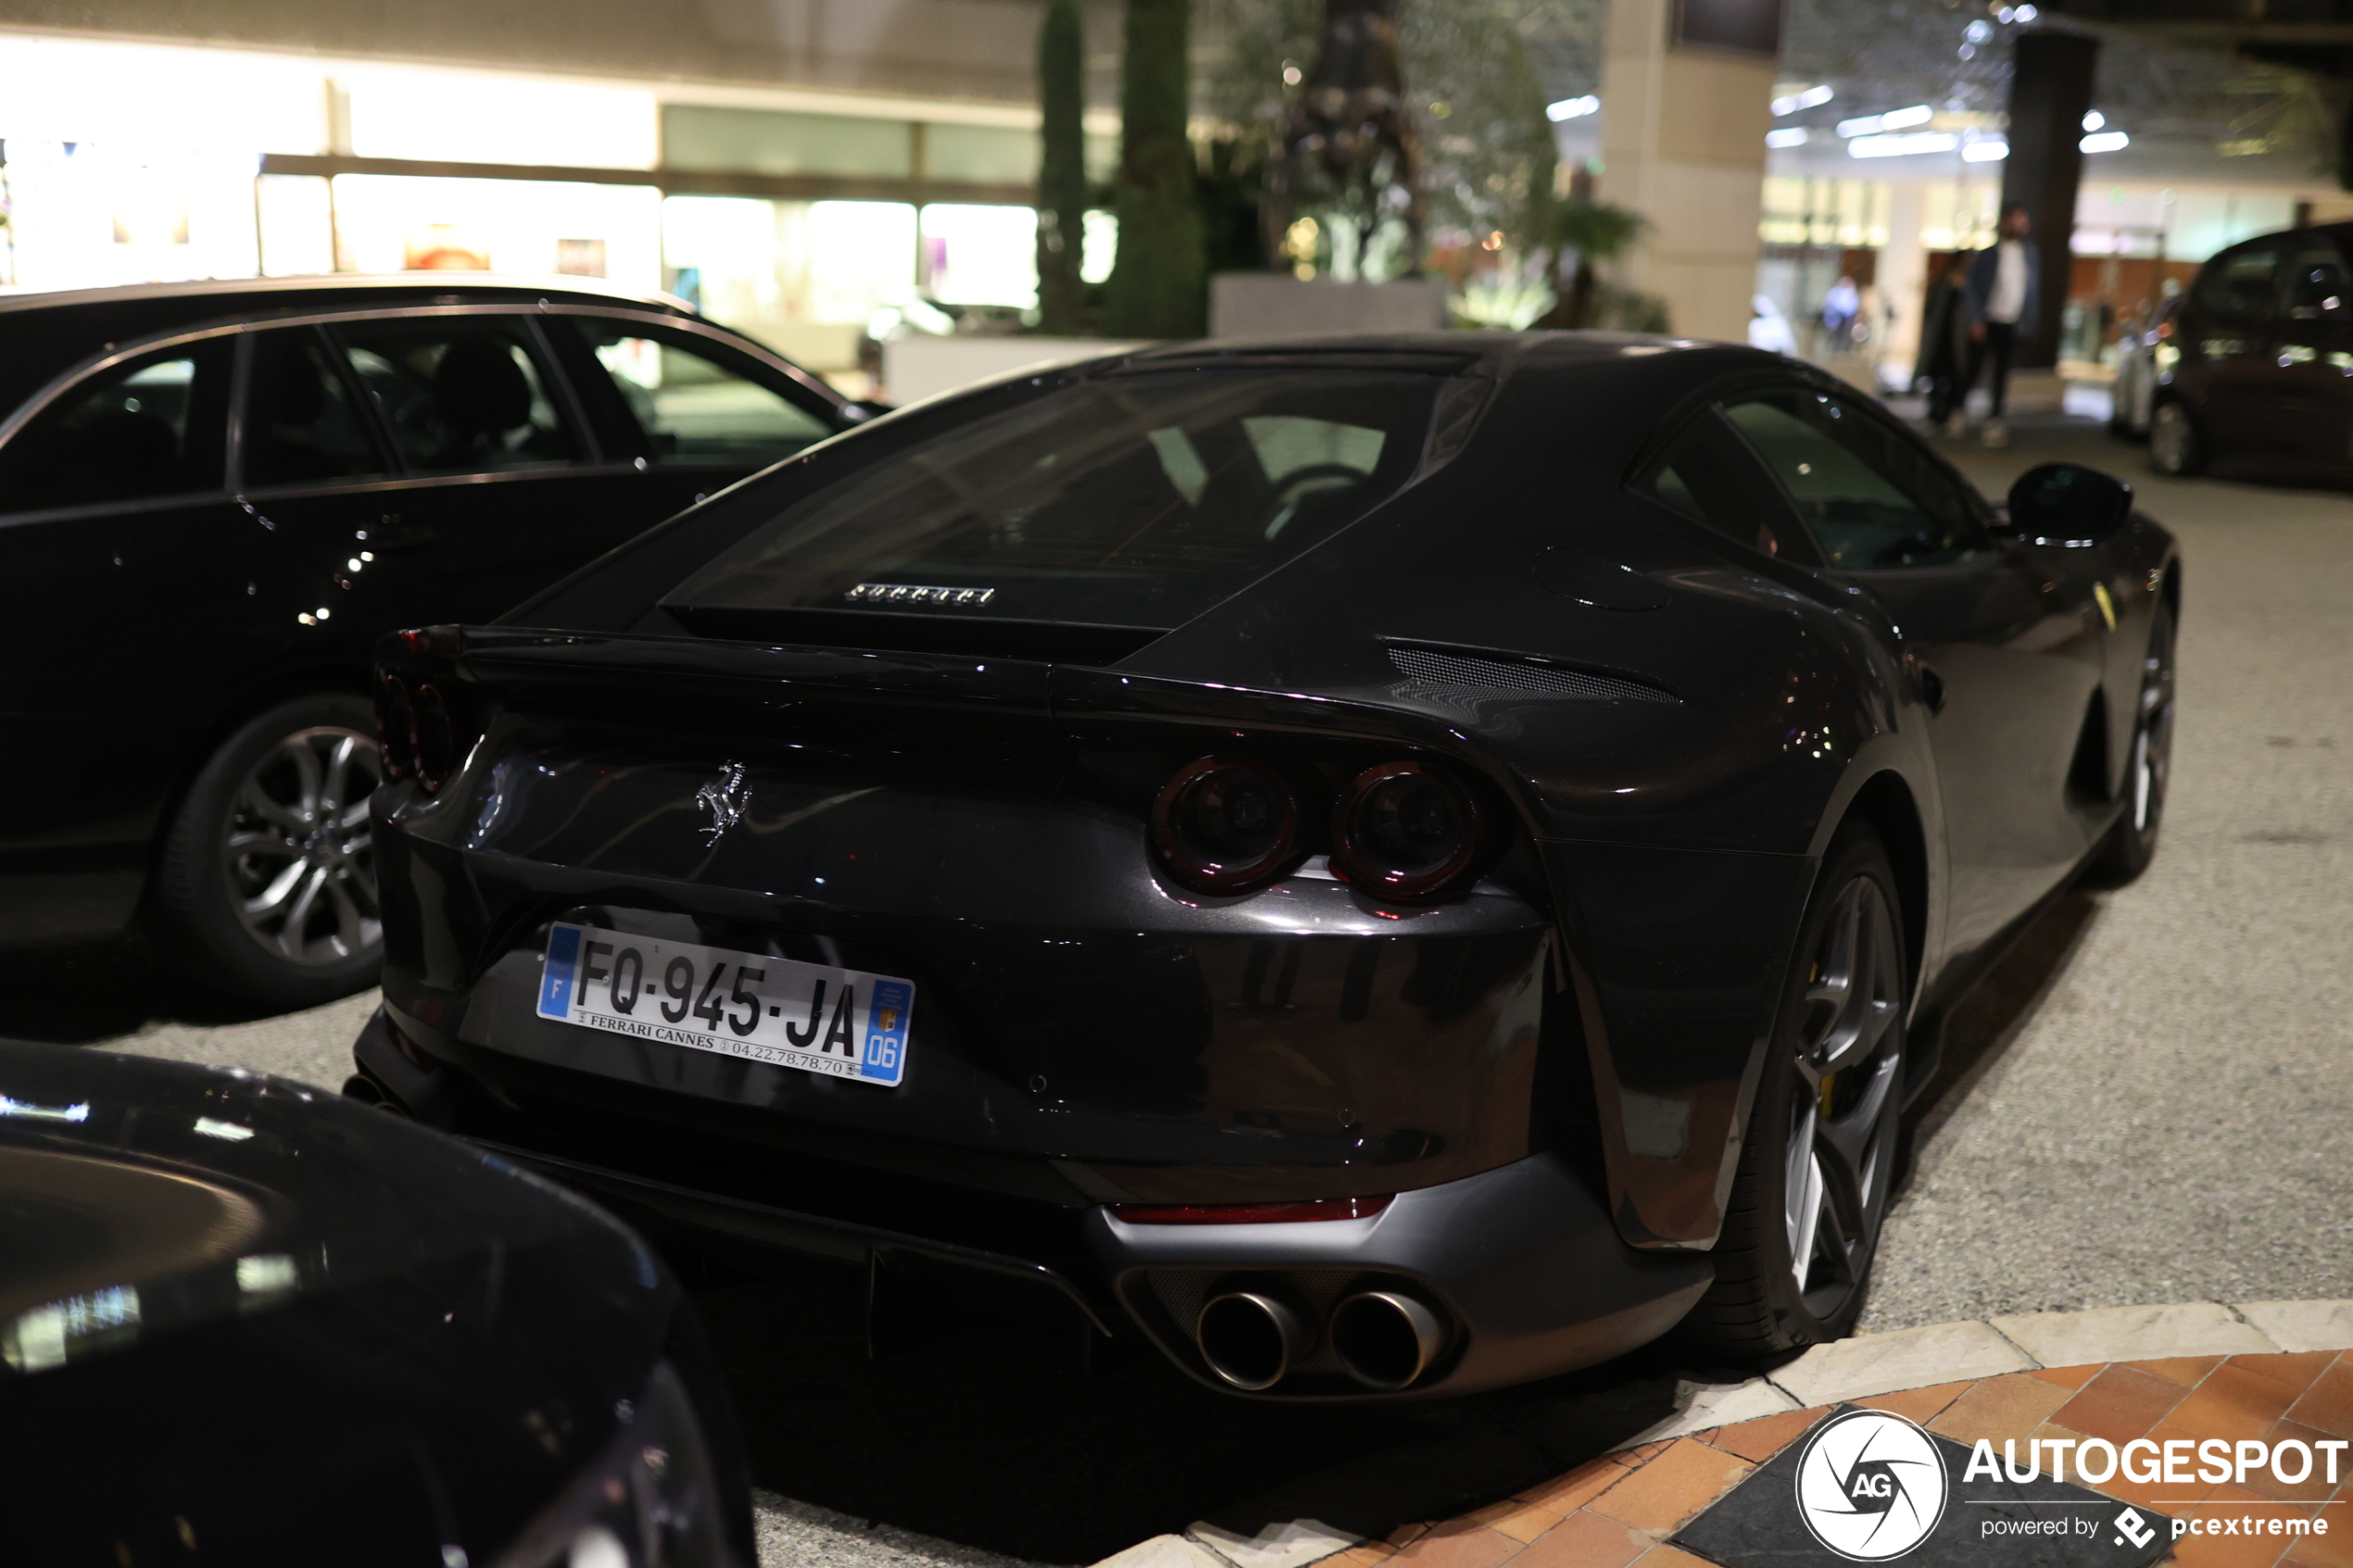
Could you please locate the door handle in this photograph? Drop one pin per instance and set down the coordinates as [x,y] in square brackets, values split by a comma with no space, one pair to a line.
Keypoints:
[389,535]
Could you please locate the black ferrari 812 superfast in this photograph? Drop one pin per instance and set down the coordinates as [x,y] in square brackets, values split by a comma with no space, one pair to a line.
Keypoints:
[1385,866]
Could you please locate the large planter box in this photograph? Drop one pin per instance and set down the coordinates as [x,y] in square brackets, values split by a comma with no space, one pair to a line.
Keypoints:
[919,365]
[1269,304]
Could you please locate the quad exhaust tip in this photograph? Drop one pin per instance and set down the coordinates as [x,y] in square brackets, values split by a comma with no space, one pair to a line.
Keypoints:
[1386,1339]
[1250,1339]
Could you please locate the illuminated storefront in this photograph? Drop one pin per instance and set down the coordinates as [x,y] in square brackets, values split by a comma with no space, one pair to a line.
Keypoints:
[797,216]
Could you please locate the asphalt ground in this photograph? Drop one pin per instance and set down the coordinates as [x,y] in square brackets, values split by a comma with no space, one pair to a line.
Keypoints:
[2148,1101]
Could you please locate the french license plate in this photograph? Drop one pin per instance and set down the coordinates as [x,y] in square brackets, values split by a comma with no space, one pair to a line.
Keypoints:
[842,1022]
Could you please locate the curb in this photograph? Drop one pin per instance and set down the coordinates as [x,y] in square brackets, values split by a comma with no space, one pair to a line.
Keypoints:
[1344,1506]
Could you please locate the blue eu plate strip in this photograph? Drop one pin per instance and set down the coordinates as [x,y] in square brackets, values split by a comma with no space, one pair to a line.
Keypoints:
[563,962]
[886,1057]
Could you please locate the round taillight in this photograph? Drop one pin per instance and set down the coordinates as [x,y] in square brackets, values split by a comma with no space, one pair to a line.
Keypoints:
[1225,824]
[1402,831]
[396,727]
[436,739]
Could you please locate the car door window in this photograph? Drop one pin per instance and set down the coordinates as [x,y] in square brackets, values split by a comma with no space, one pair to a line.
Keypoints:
[152,426]
[695,403]
[2238,285]
[1709,475]
[1867,495]
[2317,283]
[302,424]
[460,394]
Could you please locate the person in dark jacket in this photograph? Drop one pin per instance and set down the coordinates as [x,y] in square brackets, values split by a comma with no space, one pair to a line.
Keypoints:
[2005,283]
[1944,343]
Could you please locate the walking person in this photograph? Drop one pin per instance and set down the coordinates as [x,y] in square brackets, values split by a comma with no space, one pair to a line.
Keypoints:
[1943,344]
[2005,282]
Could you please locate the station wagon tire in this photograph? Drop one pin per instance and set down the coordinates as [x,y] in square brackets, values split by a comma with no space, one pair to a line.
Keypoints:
[265,886]
[2148,766]
[2175,447]
[1802,1228]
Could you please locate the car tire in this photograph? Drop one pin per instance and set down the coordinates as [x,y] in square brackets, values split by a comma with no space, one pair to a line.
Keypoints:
[1802,1228]
[2148,768]
[266,882]
[2175,447]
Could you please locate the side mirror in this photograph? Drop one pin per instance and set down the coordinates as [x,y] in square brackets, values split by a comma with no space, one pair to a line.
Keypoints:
[2067,504]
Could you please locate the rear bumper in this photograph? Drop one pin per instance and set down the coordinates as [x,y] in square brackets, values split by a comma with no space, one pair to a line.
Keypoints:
[1521,1261]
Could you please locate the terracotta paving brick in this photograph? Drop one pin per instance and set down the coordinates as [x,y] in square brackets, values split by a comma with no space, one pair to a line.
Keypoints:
[2242,1551]
[1405,1533]
[1458,1544]
[2160,1493]
[2069,1376]
[2187,1371]
[2297,1370]
[2120,1404]
[2332,1551]
[1917,1404]
[1585,1539]
[1672,1487]
[1632,1457]
[1494,1511]
[2328,1403]
[2234,1403]
[1665,1556]
[2010,1405]
[2315,1487]
[1561,1496]
[1367,1556]
[1760,1439]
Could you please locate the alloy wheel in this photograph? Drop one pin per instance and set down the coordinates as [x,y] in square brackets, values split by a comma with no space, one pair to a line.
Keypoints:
[301,867]
[1844,1106]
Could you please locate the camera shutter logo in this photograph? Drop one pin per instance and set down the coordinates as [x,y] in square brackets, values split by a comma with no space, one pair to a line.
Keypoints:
[1871,1485]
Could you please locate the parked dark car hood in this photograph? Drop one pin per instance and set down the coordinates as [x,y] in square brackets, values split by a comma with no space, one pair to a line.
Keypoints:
[246,1319]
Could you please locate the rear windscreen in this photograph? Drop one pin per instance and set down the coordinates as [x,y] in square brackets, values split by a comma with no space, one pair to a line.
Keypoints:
[1135,501]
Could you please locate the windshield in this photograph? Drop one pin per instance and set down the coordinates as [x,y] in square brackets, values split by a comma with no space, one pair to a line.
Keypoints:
[1133,500]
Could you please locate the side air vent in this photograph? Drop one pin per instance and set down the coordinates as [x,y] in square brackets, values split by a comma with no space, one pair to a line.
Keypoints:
[1460,675]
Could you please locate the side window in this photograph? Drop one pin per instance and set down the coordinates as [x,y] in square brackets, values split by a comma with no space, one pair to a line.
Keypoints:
[2317,281]
[693,405]
[301,426]
[154,426]
[1710,476]
[459,394]
[1869,497]
[2237,285]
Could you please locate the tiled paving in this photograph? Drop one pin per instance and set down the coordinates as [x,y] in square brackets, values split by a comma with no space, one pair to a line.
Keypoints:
[1619,1510]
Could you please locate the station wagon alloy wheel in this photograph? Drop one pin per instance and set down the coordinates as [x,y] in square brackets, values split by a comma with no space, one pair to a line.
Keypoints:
[298,850]
[267,885]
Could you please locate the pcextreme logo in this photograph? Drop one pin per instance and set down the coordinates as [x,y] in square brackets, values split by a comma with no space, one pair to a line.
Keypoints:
[1871,1485]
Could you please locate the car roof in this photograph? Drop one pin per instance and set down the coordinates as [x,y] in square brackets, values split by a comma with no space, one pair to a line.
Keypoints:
[364,288]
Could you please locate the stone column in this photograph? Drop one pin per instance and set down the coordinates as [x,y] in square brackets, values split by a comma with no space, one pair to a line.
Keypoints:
[1686,89]
[2050,92]
[1902,280]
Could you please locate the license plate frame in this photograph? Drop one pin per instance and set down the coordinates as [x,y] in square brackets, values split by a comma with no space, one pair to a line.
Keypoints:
[845,1024]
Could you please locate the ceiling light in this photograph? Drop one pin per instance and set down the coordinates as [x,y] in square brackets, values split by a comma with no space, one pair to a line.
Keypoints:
[1893,119]
[1789,136]
[2093,121]
[1806,100]
[2104,142]
[1902,147]
[1986,152]
[1572,108]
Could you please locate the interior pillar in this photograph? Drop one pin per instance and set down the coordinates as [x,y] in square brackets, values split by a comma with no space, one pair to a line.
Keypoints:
[1686,90]
[2050,93]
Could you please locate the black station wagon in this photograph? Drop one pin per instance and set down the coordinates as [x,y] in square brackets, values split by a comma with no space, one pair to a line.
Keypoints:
[215,497]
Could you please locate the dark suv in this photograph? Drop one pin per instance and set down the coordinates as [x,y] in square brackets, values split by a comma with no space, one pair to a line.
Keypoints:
[2260,361]
[214,497]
